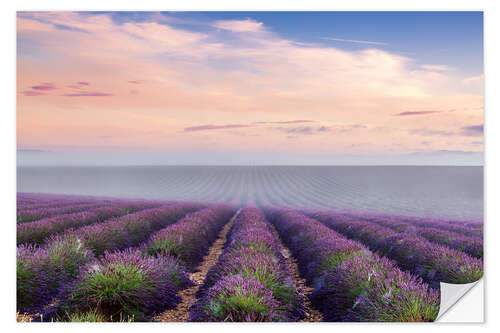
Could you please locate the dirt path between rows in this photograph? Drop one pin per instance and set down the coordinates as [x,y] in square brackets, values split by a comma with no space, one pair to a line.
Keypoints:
[312,315]
[181,312]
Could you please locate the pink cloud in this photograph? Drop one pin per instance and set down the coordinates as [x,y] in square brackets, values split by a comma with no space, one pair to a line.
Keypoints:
[419,113]
[87,94]
[213,127]
[44,86]
[284,122]
[32,93]
[83,83]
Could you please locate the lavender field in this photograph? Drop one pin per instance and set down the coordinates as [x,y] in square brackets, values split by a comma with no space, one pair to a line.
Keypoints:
[231,257]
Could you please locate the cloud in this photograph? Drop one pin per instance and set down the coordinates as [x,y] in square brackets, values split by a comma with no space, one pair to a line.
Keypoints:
[135,81]
[430,132]
[247,25]
[88,94]
[83,83]
[45,86]
[438,68]
[213,127]
[32,93]
[283,122]
[474,130]
[31,151]
[354,41]
[416,113]
[303,130]
[473,79]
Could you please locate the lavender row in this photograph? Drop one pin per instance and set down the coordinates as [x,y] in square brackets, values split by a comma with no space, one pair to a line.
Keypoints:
[464,228]
[190,238]
[21,206]
[433,262]
[37,231]
[130,230]
[43,271]
[251,281]
[350,282]
[40,213]
[472,245]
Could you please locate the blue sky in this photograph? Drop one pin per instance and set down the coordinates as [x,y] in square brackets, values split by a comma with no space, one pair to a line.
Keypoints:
[455,38]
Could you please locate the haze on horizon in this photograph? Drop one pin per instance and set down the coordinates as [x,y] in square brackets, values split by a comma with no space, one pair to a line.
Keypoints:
[249,88]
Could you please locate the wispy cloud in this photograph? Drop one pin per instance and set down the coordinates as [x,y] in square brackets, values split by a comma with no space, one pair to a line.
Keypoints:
[354,41]
[430,132]
[247,25]
[283,122]
[213,127]
[439,68]
[32,93]
[31,151]
[474,130]
[88,94]
[416,113]
[44,86]
[303,130]
[473,79]
[83,83]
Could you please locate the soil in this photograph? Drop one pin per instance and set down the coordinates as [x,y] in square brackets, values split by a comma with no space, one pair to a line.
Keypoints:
[311,314]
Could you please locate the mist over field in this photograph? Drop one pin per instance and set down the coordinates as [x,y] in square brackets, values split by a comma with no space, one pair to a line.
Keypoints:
[121,157]
[433,191]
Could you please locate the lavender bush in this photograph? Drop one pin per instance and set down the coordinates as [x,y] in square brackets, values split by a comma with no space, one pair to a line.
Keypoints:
[235,298]
[41,271]
[125,285]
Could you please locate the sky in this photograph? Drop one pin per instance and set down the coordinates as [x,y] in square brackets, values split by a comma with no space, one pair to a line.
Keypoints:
[132,88]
